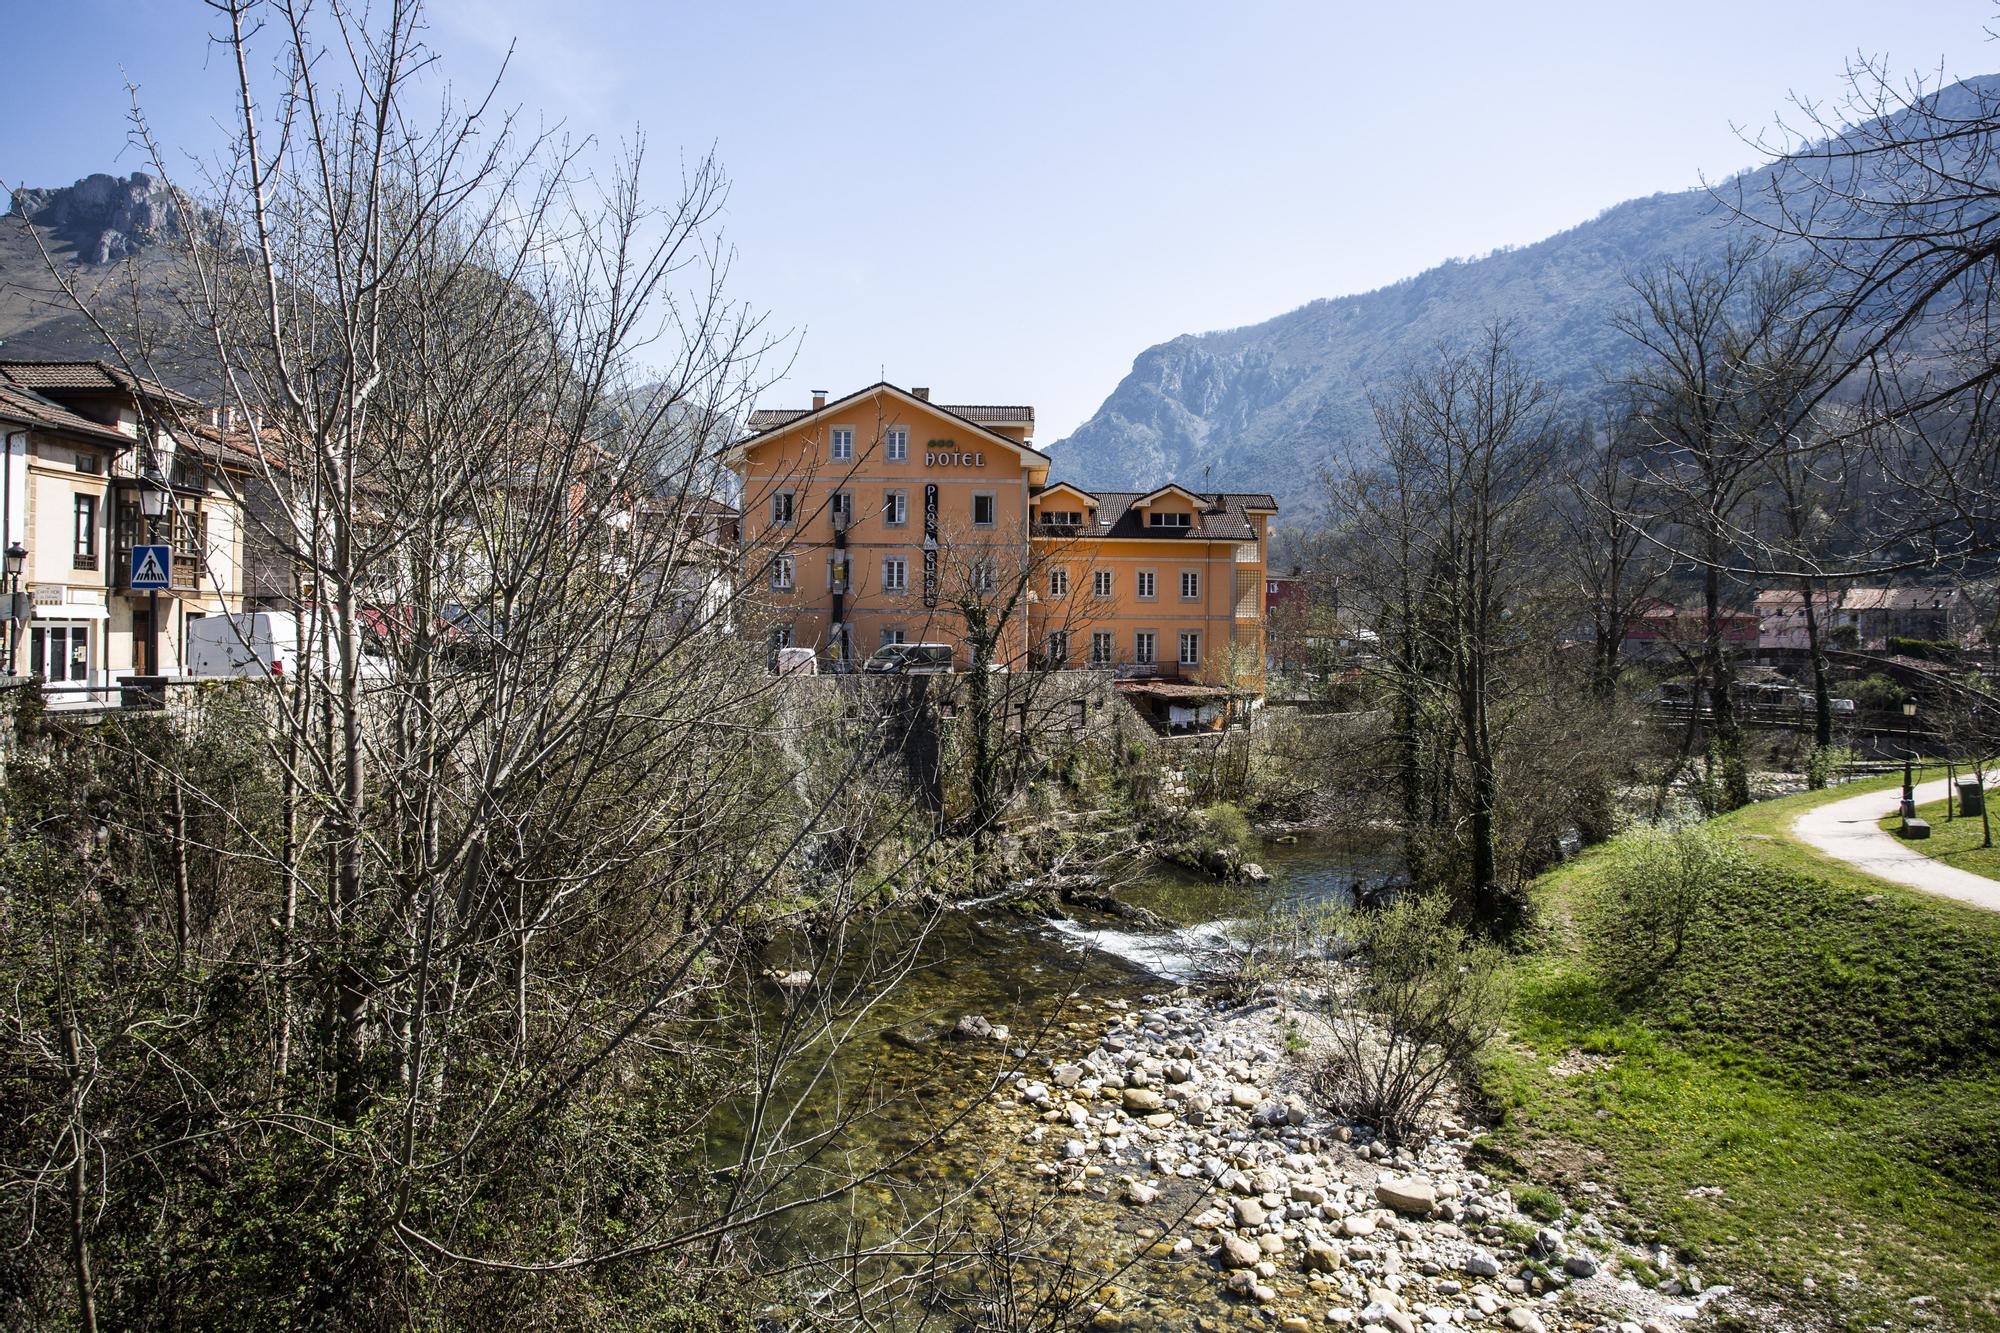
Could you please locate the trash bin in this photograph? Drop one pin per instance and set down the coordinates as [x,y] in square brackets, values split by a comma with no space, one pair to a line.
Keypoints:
[1971,797]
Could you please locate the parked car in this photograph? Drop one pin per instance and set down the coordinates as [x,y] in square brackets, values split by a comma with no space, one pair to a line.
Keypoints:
[1842,705]
[909,659]
[258,643]
[798,662]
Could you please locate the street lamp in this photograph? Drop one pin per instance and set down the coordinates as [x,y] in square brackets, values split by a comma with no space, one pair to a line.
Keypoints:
[17,559]
[1909,722]
[153,495]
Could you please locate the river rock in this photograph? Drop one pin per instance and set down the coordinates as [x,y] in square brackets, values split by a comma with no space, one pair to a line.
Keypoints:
[1580,1265]
[1035,1094]
[1139,1192]
[1142,1101]
[1244,1096]
[792,980]
[1066,1076]
[1322,1258]
[1268,1112]
[1239,1251]
[1358,1224]
[1378,1311]
[1523,1320]
[1481,1263]
[1249,1213]
[1179,1071]
[971,1027]
[1412,1195]
[1255,873]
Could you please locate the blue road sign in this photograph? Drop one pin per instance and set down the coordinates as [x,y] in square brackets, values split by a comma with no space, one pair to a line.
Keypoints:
[149,568]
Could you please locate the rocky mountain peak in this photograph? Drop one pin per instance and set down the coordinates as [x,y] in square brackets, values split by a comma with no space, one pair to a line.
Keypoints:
[106,218]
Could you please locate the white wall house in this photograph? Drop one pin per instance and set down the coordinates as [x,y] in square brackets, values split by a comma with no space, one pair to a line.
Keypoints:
[79,438]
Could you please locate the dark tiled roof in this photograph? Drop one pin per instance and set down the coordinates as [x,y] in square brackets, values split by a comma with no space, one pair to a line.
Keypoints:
[86,377]
[988,415]
[770,418]
[1225,518]
[236,446]
[25,405]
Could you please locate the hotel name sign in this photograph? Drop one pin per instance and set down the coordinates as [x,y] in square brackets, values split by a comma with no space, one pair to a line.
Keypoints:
[940,453]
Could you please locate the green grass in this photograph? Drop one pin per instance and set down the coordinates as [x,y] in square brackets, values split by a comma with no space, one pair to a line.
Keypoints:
[1956,842]
[1826,1053]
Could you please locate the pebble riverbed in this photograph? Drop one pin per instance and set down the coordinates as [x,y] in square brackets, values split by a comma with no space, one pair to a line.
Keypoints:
[1196,1117]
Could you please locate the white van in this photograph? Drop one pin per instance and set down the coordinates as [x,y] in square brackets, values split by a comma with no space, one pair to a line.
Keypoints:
[256,643]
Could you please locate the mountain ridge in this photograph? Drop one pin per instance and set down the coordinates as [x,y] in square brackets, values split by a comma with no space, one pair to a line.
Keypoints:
[1269,405]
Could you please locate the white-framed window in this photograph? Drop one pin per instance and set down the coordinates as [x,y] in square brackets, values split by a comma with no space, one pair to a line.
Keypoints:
[85,554]
[892,635]
[1058,649]
[843,443]
[984,507]
[982,575]
[1100,583]
[839,569]
[1142,647]
[895,508]
[781,508]
[1190,585]
[1101,647]
[1190,648]
[781,637]
[1063,518]
[1059,583]
[783,572]
[895,573]
[1145,585]
[1170,520]
[840,508]
[897,444]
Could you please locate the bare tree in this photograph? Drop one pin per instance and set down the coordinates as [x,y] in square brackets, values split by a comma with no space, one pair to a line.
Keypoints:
[1616,570]
[456,992]
[1458,516]
[1892,192]
[1726,361]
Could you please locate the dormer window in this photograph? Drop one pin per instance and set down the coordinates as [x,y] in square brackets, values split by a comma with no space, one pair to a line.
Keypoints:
[1062,518]
[1170,520]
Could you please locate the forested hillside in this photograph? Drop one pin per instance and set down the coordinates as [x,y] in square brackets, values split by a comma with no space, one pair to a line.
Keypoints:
[1271,404]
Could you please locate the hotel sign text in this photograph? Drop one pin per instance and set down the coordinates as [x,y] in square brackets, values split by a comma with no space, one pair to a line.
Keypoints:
[939,453]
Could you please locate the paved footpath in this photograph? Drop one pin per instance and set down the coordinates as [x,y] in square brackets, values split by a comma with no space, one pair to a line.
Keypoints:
[1846,829]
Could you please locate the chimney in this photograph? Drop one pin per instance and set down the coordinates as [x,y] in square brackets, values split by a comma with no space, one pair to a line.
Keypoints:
[924,394]
[819,399]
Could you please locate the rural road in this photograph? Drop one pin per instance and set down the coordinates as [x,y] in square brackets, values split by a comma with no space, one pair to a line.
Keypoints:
[1846,829]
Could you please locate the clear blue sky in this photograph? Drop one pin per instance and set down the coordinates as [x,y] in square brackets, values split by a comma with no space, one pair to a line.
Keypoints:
[1009,202]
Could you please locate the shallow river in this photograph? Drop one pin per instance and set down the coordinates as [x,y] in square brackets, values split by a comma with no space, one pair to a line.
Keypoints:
[900,1098]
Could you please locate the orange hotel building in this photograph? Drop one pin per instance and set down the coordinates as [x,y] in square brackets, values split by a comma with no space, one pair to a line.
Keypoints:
[867,518]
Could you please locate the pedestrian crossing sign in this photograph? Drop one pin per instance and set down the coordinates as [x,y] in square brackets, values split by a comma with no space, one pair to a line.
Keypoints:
[149,568]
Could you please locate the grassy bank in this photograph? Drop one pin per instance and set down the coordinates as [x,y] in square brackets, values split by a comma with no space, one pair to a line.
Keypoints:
[1807,1105]
[1955,841]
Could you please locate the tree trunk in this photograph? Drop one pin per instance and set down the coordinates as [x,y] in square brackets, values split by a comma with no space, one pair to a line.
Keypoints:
[79,1183]
[1728,739]
[1816,653]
